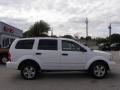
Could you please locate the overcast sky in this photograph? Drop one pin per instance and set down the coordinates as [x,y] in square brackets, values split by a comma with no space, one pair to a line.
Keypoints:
[65,16]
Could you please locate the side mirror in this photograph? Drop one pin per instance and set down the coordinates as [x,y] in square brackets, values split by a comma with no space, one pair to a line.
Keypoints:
[83,50]
[85,44]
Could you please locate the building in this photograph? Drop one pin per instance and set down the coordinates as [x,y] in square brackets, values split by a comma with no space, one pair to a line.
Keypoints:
[8,33]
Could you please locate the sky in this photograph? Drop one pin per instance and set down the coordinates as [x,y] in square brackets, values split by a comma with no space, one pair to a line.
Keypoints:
[64,16]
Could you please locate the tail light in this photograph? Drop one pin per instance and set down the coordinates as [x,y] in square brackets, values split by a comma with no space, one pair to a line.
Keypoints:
[9,56]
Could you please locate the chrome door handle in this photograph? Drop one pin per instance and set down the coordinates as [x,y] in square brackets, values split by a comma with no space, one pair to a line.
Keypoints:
[38,53]
[64,54]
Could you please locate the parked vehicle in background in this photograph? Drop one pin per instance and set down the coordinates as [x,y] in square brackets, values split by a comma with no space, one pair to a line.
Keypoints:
[115,46]
[34,55]
[104,47]
[3,55]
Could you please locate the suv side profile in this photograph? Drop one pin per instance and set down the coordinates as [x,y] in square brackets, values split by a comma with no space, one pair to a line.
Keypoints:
[34,55]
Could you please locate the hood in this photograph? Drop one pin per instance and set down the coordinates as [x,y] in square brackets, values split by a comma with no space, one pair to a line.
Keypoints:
[101,52]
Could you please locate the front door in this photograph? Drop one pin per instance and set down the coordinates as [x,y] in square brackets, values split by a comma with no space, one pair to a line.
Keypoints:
[72,58]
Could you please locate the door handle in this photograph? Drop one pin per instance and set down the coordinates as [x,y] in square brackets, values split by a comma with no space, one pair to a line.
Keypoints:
[64,54]
[38,53]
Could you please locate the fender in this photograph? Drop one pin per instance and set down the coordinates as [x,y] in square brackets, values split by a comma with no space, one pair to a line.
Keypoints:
[93,60]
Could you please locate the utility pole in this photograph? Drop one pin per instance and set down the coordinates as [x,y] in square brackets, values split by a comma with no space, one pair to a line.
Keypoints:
[110,27]
[86,21]
[51,31]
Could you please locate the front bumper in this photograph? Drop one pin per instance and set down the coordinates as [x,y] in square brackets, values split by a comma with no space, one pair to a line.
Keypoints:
[111,65]
[12,65]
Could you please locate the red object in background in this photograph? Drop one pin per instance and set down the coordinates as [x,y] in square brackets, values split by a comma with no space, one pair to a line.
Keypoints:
[8,55]
[8,29]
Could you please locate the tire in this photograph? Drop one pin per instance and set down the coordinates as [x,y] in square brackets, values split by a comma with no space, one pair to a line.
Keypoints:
[98,70]
[29,72]
[4,60]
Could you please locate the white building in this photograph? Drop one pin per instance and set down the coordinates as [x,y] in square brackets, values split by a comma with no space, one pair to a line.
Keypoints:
[8,33]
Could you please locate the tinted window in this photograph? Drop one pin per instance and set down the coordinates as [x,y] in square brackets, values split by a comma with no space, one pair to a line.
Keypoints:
[70,46]
[24,44]
[118,45]
[47,44]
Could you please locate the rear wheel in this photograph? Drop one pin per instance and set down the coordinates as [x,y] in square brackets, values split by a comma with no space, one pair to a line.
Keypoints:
[98,70]
[29,72]
[4,60]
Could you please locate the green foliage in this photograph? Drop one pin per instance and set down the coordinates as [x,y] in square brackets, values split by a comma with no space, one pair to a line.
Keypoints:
[101,40]
[26,34]
[39,29]
[68,36]
[82,38]
[88,38]
[115,38]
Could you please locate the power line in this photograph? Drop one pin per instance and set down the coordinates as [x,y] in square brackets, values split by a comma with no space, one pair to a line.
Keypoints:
[81,20]
[97,22]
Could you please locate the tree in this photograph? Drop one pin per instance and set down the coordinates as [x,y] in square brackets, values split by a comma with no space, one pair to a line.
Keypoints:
[26,34]
[88,38]
[115,38]
[101,40]
[68,36]
[39,29]
[82,38]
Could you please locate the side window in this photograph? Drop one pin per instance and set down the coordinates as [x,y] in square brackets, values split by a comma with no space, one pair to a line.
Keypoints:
[118,45]
[24,44]
[46,44]
[70,46]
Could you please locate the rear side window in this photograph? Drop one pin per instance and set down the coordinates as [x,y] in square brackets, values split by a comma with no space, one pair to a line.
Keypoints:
[46,44]
[24,44]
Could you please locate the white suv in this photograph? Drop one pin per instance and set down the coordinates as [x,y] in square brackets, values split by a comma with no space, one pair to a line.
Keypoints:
[33,55]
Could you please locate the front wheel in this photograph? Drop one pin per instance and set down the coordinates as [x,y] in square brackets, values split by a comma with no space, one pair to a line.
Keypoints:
[29,72]
[98,70]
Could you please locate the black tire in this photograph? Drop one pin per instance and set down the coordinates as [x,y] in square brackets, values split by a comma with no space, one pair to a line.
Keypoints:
[4,60]
[29,72]
[98,70]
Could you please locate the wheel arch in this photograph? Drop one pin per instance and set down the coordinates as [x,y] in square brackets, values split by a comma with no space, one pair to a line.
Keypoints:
[28,61]
[89,64]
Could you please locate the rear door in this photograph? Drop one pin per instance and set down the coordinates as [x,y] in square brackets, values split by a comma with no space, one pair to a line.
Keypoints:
[47,53]
[20,48]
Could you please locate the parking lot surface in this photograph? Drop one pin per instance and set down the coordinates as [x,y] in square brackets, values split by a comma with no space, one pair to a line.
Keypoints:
[11,80]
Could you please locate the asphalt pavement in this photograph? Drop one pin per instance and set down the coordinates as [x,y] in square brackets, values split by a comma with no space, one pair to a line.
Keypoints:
[11,80]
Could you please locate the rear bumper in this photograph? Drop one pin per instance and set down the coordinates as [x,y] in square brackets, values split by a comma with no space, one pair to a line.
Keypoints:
[12,65]
[111,65]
